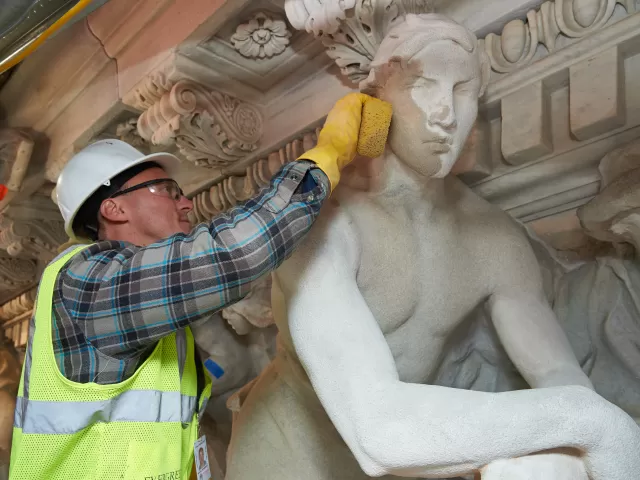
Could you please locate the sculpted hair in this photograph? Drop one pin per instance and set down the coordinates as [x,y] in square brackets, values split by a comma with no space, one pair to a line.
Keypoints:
[412,35]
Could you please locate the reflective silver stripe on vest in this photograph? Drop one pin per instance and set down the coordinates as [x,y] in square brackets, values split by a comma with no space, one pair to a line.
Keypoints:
[40,417]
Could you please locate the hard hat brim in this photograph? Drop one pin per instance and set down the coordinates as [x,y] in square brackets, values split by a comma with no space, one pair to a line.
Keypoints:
[169,163]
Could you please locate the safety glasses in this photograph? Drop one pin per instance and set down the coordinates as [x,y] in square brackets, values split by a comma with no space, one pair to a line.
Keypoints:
[163,187]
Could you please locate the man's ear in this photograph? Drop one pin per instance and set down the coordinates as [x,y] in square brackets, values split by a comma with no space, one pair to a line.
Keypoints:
[112,210]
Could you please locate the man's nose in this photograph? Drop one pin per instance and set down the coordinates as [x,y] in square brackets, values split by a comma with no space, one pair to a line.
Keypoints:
[184,204]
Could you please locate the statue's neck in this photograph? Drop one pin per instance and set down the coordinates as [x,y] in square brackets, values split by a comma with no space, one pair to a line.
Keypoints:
[396,179]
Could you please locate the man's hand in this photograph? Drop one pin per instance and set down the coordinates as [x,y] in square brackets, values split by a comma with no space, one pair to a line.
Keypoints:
[338,139]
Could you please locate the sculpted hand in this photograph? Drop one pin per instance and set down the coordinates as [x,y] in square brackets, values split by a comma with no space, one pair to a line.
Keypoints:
[338,139]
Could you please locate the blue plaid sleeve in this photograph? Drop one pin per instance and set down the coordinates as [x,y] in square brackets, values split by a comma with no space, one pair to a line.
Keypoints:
[120,299]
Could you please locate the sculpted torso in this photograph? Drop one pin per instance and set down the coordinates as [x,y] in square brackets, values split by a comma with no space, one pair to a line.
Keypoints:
[400,255]
[422,272]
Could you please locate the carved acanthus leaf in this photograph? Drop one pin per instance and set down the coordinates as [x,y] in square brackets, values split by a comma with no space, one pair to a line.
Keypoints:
[517,44]
[15,154]
[264,36]
[234,190]
[352,31]
[210,128]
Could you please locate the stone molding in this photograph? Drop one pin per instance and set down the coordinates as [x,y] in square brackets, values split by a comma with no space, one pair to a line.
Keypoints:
[516,46]
[16,148]
[233,190]
[265,35]
[352,40]
[209,128]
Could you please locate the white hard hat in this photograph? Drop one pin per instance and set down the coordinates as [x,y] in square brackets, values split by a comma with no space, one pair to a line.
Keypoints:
[94,167]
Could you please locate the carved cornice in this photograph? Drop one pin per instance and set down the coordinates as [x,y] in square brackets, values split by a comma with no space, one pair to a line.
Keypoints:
[353,40]
[516,46]
[236,189]
[209,128]
[15,154]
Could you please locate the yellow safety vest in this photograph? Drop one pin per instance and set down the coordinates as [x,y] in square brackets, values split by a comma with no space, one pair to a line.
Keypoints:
[141,429]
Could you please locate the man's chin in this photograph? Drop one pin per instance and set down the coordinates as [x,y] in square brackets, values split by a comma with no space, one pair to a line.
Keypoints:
[185,227]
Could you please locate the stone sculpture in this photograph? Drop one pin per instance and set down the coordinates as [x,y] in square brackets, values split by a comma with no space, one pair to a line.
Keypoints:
[389,274]
[596,301]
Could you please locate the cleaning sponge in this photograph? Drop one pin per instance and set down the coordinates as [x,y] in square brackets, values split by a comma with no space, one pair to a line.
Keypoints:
[374,127]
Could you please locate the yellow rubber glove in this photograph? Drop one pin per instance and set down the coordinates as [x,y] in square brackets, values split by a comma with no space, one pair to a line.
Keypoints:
[338,139]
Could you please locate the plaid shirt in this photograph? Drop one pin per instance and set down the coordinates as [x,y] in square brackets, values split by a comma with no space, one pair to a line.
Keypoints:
[113,301]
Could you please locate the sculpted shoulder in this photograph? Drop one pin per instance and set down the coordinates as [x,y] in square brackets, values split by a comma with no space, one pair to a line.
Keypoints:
[333,240]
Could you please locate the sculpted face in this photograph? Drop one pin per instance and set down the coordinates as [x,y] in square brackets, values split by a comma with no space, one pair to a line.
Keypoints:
[432,73]
[435,100]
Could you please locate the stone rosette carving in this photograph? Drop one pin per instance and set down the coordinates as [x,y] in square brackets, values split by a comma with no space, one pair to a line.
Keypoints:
[352,40]
[208,127]
[264,36]
[16,148]
[236,189]
[516,46]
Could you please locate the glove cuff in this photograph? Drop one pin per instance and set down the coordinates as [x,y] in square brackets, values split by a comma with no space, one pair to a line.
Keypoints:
[326,158]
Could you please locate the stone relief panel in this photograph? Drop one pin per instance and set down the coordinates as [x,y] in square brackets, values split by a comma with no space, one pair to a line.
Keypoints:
[516,46]
[209,128]
[264,36]
[16,148]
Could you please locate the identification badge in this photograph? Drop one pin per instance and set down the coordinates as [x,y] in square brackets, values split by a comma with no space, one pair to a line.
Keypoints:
[202,459]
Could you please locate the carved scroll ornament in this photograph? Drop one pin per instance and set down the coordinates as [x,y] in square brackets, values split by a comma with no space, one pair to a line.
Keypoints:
[209,128]
[517,44]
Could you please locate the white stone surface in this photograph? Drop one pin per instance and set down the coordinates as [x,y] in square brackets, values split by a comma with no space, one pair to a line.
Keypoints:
[384,281]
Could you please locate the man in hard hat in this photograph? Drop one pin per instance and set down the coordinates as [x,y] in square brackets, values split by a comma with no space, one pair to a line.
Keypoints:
[112,386]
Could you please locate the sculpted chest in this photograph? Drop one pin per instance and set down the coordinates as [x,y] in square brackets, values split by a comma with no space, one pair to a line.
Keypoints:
[414,269]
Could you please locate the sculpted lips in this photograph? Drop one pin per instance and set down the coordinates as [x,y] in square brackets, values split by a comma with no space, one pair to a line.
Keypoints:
[439,144]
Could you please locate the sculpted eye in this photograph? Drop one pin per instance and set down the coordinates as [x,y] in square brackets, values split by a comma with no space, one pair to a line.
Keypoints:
[463,87]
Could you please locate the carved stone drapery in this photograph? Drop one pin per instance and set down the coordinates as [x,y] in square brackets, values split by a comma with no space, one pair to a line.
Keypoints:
[236,189]
[517,44]
[209,128]
[15,153]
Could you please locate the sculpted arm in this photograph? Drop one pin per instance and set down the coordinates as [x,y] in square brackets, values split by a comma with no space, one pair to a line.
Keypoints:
[528,328]
[419,430]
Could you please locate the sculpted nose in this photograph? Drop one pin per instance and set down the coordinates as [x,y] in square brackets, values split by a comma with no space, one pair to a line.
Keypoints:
[444,116]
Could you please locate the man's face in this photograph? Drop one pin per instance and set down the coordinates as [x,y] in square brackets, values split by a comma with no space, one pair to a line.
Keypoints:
[153,216]
[435,102]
